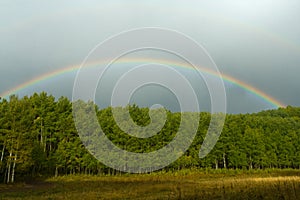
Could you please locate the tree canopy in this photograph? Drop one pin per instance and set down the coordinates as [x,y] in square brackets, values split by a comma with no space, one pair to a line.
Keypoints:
[38,137]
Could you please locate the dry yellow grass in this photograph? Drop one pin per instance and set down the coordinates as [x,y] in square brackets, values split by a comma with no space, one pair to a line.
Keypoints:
[194,185]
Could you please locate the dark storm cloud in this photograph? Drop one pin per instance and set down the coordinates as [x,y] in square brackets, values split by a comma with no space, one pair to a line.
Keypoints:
[255,41]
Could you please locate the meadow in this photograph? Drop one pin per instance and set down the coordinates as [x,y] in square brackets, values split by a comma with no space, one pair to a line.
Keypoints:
[183,184]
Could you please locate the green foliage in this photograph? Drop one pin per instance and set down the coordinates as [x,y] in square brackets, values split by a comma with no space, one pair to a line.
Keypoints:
[38,137]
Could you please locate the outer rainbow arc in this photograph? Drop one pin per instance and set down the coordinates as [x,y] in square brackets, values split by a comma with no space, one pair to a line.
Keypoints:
[226,20]
[225,77]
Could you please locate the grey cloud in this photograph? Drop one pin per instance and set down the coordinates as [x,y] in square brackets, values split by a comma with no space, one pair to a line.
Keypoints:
[255,41]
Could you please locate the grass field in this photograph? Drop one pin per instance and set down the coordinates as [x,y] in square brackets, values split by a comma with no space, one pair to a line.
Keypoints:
[185,184]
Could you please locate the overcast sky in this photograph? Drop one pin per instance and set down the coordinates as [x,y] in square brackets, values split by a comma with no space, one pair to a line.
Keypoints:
[255,41]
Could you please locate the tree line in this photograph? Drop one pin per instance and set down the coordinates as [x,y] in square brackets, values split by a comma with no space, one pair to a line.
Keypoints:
[38,137]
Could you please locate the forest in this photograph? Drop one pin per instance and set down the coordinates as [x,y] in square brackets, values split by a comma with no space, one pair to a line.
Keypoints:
[38,138]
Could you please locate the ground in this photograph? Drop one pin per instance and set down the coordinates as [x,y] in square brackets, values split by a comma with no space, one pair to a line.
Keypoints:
[185,184]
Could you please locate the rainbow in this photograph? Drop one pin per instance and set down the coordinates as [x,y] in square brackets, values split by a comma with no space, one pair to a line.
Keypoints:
[192,11]
[274,102]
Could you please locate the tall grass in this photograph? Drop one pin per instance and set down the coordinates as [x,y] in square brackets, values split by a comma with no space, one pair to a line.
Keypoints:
[183,184]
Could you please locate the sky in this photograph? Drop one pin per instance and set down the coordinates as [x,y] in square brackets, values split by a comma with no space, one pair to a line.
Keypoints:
[254,41]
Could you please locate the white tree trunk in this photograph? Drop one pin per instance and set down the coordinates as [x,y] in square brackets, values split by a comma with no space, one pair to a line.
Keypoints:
[13,169]
[9,166]
[2,154]
[224,160]
[251,165]
[56,171]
